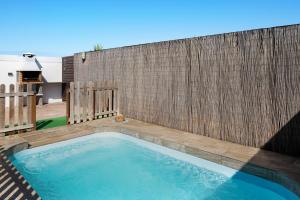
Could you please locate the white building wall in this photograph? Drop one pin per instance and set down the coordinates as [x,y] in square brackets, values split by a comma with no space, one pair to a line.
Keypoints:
[52,92]
[9,64]
[51,68]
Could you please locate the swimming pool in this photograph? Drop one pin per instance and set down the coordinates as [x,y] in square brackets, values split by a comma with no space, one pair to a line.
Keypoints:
[116,166]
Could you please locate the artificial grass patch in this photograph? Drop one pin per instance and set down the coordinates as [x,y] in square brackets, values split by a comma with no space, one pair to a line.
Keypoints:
[51,123]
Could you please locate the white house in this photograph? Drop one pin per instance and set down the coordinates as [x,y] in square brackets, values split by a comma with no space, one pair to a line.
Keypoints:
[45,73]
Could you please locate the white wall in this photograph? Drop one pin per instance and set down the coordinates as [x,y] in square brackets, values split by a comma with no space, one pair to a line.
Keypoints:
[9,64]
[51,68]
[52,92]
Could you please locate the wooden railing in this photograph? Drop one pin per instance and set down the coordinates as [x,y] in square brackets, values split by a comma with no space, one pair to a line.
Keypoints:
[91,100]
[15,117]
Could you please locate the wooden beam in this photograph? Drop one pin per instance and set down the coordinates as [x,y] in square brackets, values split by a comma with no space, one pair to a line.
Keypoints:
[13,94]
[16,128]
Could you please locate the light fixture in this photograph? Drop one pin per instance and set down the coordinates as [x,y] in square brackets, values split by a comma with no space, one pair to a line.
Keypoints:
[83,56]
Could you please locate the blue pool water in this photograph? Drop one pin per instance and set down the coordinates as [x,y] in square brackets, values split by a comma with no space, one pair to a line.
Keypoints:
[114,166]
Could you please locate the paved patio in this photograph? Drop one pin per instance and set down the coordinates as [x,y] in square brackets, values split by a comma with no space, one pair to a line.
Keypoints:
[43,112]
[51,110]
[277,167]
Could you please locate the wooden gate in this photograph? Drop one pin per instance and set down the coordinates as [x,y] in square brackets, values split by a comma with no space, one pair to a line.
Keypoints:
[15,117]
[87,101]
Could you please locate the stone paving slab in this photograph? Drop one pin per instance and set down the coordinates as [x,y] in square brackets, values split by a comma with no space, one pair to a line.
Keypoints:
[276,167]
[51,110]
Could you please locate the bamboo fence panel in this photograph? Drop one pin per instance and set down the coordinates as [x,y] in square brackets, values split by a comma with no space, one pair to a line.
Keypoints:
[242,87]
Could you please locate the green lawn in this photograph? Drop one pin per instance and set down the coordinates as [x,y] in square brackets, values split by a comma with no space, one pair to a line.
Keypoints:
[51,123]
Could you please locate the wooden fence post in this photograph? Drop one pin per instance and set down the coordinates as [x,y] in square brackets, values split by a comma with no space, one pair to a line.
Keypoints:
[109,86]
[20,105]
[115,98]
[91,103]
[100,103]
[68,105]
[105,99]
[94,109]
[77,103]
[11,105]
[2,106]
[71,93]
[96,100]
[33,110]
[84,102]
[31,107]
[28,104]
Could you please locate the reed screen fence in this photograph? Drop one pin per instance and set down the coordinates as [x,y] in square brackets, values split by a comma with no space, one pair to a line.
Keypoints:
[241,87]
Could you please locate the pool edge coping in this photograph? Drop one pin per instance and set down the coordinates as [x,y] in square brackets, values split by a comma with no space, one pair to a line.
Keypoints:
[253,169]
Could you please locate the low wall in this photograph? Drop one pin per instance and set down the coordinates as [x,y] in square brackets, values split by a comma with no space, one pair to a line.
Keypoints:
[241,87]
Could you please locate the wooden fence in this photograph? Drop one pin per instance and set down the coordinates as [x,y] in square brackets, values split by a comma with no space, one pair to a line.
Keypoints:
[241,87]
[15,117]
[87,101]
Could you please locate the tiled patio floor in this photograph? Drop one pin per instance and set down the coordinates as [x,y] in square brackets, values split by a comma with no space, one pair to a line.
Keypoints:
[43,112]
[51,110]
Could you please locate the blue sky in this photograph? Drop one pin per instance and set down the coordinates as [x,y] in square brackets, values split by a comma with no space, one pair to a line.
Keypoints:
[64,27]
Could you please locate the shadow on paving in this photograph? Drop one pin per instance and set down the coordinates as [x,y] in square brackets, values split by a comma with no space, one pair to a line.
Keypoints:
[289,165]
[13,185]
[42,124]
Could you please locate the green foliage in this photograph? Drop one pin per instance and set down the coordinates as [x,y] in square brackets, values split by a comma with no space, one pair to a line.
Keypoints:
[98,47]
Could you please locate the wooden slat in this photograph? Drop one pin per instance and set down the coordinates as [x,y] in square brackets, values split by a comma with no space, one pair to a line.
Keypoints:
[105,100]
[106,95]
[106,113]
[33,111]
[11,106]
[97,97]
[17,128]
[67,98]
[2,107]
[110,100]
[77,103]
[91,103]
[20,106]
[29,106]
[101,97]
[68,69]
[12,94]
[84,103]
[72,107]
[115,100]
